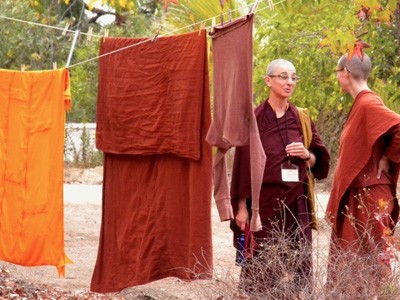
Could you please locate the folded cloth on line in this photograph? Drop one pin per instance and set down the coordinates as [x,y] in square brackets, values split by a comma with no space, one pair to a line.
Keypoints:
[143,95]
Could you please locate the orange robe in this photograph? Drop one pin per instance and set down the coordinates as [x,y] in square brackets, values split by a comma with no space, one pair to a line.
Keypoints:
[32,121]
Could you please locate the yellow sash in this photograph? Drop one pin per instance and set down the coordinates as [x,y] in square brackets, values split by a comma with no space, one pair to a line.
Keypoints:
[305,122]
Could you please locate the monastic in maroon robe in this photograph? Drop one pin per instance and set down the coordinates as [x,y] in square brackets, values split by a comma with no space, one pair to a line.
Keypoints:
[282,204]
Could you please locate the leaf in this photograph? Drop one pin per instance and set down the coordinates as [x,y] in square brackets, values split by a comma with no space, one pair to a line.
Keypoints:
[384,16]
[358,46]
[392,5]
[166,3]
[35,56]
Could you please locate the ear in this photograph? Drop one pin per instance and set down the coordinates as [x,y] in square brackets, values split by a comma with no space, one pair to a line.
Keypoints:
[267,81]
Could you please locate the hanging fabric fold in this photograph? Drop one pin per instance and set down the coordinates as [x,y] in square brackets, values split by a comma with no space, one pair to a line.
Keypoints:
[234,122]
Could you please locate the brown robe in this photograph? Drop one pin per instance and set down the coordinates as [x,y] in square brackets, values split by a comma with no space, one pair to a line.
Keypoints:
[275,135]
[153,115]
[234,122]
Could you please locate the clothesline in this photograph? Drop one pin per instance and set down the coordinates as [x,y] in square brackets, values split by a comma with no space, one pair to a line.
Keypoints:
[168,33]
[270,6]
[47,26]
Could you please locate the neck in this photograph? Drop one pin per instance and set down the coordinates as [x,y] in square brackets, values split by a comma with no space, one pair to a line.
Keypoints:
[357,87]
[279,106]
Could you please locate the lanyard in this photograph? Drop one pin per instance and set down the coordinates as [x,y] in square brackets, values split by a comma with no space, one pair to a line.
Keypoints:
[286,131]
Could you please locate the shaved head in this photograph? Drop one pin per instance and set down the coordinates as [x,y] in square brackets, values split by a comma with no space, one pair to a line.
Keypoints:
[273,65]
[358,68]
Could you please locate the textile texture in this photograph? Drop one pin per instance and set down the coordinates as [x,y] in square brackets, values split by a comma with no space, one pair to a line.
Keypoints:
[156,219]
[143,91]
[32,121]
[234,123]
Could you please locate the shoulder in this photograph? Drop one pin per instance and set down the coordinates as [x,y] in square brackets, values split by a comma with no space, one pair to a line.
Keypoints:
[260,108]
[368,99]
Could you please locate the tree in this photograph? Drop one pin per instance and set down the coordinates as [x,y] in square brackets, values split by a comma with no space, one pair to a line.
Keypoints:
[38,47]
[313,34]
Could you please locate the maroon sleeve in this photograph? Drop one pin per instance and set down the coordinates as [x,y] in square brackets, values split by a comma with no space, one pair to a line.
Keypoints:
[241,178]
[321,167]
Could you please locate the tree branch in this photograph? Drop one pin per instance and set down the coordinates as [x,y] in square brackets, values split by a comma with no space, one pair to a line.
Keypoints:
[99,13]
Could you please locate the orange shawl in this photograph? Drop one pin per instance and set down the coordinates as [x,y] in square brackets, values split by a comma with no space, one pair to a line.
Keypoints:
[368,120]
[32,120]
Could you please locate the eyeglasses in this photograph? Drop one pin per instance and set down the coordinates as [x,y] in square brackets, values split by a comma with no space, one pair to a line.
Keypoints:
[285,77]
[341,69]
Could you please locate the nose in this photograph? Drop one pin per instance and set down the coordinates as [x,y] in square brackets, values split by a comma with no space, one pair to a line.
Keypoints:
[291,79]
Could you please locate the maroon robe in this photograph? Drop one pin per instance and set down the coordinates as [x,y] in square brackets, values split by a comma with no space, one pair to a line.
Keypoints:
[275,135]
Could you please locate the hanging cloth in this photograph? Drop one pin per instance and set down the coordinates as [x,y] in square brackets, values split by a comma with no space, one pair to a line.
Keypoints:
[153,113]
[234,123]
[32,121]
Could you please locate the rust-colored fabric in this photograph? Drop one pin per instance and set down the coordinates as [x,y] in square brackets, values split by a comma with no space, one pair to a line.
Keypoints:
[362,232]
[359,240]
[234,122]
[32,121]
[368,120]
[371,130]
[143,91]
[156,219]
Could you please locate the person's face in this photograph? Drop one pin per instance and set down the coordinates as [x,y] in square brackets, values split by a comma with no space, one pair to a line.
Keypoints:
[342,75]
[282,81]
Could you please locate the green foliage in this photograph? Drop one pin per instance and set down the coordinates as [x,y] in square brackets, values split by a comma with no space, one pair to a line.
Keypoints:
[190,14]
[39,47]
[295,30]
[22,43]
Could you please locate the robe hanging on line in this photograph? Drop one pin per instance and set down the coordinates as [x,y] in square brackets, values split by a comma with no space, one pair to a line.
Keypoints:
[32,129]
[234,122]
[153,113]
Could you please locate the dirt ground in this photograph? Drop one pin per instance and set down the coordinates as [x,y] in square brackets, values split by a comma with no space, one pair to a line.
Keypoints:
[82,215]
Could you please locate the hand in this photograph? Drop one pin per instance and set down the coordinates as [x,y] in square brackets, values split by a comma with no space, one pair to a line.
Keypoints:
[297,149]
[383,166]
[242,217]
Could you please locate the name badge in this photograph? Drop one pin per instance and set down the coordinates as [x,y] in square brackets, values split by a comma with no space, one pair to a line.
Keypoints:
[290,172]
